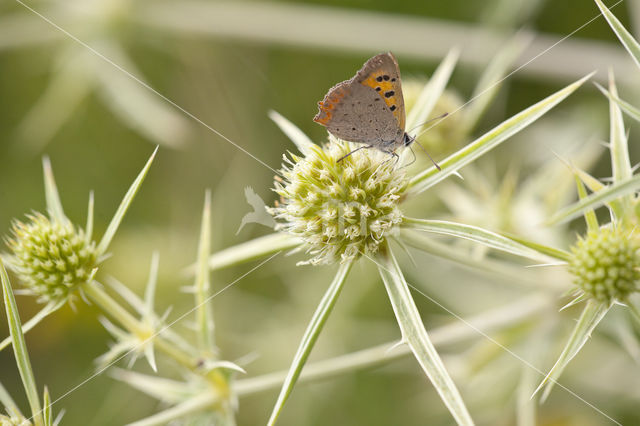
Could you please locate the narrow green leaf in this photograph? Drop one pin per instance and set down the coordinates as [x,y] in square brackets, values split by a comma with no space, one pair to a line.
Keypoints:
[493,267]
[595,200]
[89,227]
[595,185]
[297,136]
[152,284]
[553,252]
[251,250]
[589,214]
[48,309]
[432,91]
[629,109]
[620,163]
[149,314]
[204,316]
[54,206]
[309,339]
[625,36]
[490,140]
[591,315]
[415,335]
[124,206]
[476,234]
[20,348]
[492,77]
[592,183]
[48,417]
[525,406]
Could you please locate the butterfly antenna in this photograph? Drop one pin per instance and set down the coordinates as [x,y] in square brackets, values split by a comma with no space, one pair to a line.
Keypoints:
[440,117]
[425,151]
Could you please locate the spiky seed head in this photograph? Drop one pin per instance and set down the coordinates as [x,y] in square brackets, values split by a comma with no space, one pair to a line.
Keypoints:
[50,258]
[339,209]
[606,263]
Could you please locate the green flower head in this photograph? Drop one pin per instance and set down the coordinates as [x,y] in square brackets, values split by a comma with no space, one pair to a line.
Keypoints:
[51,258]
[341,210]
[606,263]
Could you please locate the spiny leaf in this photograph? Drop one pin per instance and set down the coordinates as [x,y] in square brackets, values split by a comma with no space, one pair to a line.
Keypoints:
[297,136]
[432,90]
[309,339]
[54,206]
[415,335]
[20,348]
[490,140]
[589,214]
[204,315]
[476,234]
[124,206]
[251,250]
[625,36]
[597,199]
[591,315]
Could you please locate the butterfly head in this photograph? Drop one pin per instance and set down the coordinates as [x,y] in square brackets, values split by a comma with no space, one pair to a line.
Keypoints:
[408,139]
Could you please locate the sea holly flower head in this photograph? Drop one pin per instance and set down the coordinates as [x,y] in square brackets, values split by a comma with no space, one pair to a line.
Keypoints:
[605,264]
[339,209]
[51,258]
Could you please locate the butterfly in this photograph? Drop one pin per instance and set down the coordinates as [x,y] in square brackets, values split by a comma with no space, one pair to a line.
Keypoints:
[368,108]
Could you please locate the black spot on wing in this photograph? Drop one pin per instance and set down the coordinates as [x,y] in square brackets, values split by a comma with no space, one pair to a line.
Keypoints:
[389,94]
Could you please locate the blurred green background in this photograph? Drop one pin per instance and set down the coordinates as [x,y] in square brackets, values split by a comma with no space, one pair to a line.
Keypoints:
[228,67]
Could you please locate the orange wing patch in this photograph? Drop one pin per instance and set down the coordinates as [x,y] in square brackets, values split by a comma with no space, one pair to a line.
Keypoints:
[388,87]
[328,104]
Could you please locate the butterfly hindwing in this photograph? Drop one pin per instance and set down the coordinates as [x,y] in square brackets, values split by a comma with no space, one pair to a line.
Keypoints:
[356,113]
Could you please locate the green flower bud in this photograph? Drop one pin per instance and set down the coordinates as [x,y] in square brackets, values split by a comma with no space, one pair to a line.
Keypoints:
[340,210]
[50,258]
[606,264]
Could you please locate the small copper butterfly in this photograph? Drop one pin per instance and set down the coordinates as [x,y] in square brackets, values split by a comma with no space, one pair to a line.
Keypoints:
[368,108]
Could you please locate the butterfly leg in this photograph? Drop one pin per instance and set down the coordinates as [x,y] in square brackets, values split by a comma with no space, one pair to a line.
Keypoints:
[393,154]
[355,150]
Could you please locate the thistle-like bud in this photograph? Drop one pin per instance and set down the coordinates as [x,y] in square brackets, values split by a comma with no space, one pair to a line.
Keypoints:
[341,210]
[50,258]
[606,263]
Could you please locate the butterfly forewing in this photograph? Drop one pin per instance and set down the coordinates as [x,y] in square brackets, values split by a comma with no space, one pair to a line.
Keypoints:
[381,73]
[368,108]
